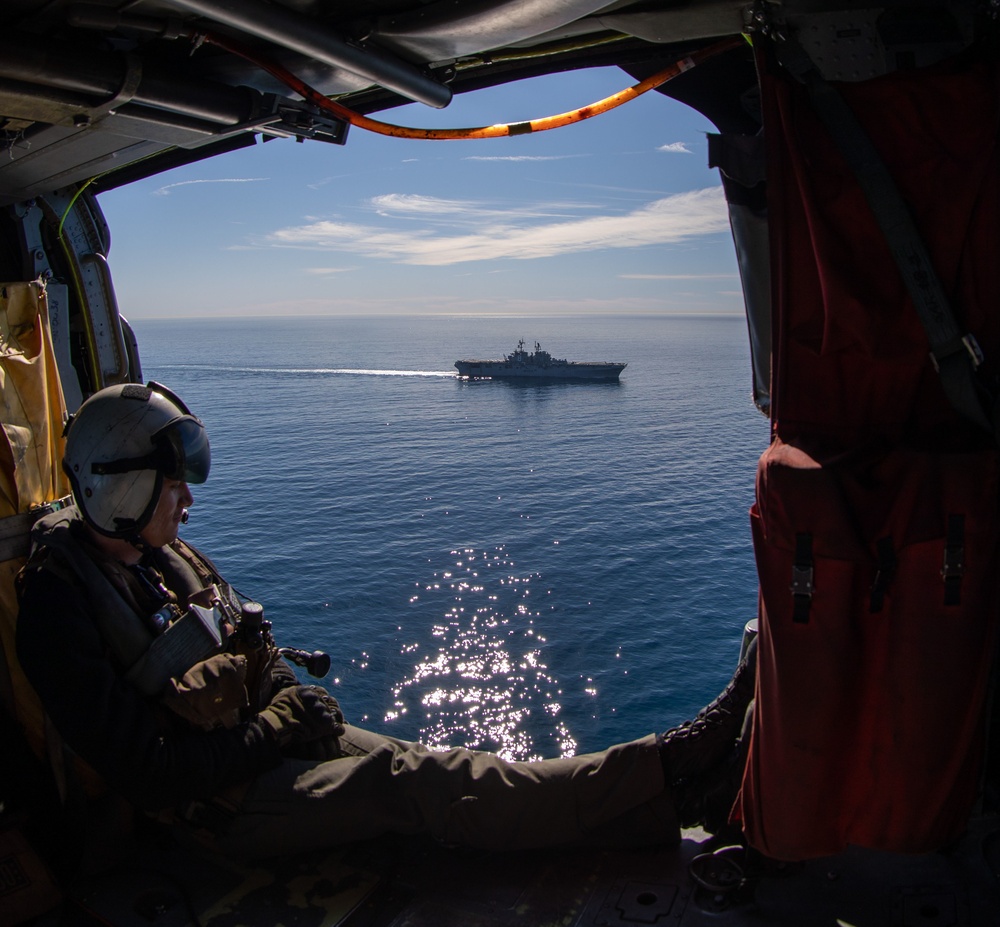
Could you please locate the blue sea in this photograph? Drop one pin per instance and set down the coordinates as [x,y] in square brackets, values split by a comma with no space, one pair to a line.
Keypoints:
[538,570]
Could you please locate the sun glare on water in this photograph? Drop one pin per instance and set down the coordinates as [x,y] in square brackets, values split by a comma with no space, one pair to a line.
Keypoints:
[483,677]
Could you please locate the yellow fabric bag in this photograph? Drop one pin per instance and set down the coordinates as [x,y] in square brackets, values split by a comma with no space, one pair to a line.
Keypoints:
[32,413]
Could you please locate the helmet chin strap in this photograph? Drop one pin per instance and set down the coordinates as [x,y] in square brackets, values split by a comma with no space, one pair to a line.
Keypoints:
[139,543]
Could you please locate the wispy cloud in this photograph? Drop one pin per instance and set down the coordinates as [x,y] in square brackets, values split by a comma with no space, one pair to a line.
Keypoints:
[468,212]
[499,233]
[323,271]
[676,276]
[165,191]
[464,306]
[414,204]
[675,148]
[562,157]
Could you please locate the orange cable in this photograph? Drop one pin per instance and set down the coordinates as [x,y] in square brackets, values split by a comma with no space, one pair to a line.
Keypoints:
[496,131]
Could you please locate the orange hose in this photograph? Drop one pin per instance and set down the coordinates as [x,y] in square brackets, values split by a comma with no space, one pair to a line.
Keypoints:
[496,131]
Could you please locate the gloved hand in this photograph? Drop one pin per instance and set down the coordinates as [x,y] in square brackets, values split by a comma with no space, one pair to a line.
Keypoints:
[210,694]
[300,714]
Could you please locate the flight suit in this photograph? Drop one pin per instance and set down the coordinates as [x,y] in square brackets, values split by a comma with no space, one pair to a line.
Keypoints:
[235,784]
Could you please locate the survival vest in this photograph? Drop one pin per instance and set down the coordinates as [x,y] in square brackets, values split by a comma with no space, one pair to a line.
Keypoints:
[122,604]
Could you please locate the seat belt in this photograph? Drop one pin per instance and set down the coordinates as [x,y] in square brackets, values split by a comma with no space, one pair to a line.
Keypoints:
[955,356]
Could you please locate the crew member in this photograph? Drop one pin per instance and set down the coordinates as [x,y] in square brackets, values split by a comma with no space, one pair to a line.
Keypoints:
[164,679]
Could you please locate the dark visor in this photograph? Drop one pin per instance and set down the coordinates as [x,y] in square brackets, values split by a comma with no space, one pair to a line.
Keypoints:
[190,457]
[181,452]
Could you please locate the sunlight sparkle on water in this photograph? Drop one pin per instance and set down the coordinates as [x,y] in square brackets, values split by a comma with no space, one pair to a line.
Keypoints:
[483,677]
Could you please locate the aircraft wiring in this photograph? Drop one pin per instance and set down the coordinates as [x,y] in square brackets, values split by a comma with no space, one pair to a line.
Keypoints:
[342,112]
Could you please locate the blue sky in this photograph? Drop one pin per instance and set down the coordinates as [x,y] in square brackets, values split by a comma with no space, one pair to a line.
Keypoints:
[615,214]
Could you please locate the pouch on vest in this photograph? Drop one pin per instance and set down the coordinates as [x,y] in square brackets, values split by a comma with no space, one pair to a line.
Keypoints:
[191,638]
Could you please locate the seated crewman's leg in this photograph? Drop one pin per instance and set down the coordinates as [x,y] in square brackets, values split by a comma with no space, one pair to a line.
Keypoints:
[625,795]
[458,796]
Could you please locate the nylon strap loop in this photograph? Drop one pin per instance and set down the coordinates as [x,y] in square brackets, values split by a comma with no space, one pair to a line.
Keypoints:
[883,577]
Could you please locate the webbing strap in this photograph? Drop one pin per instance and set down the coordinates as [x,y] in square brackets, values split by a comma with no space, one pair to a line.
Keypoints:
[954,560]
[15,530]
[954,355]
[883,576]
[802,578]
[15,541]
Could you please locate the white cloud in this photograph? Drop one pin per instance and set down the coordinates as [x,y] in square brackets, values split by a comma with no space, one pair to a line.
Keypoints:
[675,148]
[414,204]
[165,191]
[321,271]
[523,157]
[466,212]
[465,306]
[498,233]
[677,276]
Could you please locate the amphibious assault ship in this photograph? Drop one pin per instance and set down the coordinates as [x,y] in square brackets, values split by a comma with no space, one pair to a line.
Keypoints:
[538,365]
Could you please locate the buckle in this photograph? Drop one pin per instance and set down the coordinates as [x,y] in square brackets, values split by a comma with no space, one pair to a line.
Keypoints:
[47,508]
[968,342]
[953,566]
[802,581]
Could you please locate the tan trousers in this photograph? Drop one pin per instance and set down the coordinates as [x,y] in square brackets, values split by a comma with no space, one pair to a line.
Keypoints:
[381,785]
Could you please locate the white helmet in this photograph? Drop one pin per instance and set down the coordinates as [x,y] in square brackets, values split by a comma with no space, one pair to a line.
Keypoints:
[121,444]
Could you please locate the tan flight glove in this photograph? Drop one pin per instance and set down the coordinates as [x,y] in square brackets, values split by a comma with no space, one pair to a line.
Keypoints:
[300,714]
[211,694]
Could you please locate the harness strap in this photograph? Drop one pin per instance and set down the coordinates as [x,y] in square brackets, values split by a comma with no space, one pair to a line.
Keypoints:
[886,570]
[15,542]
[15,530]
[955,356]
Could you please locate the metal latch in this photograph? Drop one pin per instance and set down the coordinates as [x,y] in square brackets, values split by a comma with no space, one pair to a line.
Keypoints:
[802,581]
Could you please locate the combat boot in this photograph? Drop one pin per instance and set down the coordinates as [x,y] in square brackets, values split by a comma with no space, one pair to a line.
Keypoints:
[707,800]
[693,748]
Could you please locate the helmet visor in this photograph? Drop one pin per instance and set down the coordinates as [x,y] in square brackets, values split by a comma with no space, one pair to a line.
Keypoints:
[189,457]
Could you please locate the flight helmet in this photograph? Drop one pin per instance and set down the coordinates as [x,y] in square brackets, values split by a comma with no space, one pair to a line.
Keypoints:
[120,446]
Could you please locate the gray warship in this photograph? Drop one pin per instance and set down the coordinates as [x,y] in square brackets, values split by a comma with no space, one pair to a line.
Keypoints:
[539,365]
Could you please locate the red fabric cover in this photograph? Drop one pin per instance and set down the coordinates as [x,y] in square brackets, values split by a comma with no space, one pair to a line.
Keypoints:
[850,354]
[868,727]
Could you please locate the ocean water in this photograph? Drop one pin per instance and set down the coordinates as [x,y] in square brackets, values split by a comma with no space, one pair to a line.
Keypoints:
[537,569]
